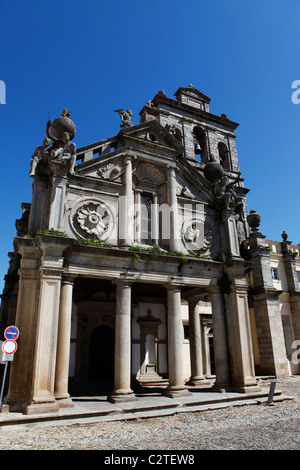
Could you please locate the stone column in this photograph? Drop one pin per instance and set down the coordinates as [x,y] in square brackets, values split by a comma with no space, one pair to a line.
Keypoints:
[221,353]
[126,207]
[197,377]
[63,344]
[176,385]
[122,391]
[239,330]
[173,211]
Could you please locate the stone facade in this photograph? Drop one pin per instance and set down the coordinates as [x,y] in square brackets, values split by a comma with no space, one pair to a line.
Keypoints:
[135,262]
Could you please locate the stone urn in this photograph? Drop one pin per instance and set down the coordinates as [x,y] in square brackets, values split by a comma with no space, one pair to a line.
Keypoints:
[253,220]
[213,171]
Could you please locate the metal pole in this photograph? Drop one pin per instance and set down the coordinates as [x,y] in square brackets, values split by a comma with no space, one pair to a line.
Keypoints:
[272,390]
[3,382]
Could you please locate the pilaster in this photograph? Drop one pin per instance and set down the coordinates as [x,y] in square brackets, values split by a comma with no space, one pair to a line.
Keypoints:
[265,302]
[173,211]
[37,317]
[239,330]
[126,207]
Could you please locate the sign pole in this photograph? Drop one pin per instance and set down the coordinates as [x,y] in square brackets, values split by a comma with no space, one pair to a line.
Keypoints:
[3,382]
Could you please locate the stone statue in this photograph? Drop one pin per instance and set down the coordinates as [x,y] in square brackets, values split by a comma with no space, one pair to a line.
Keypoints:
[125,117]
[227,197]
[41,153]
[63,131]
[66,152]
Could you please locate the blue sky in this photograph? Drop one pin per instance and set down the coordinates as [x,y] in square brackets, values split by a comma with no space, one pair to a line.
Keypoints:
[96,56]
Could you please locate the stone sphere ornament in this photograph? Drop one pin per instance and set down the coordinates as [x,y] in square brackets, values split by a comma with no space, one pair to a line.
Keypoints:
[213,171]
[61,125]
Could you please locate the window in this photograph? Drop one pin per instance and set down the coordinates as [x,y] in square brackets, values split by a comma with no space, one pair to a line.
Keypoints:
[223,155]
[275,274]
[146,218]
[186,332]
[200,144]
[298,276]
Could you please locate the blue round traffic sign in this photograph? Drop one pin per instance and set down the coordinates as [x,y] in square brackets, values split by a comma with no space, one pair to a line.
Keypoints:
[11,332]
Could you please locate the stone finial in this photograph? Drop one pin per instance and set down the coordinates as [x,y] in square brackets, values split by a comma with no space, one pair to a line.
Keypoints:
[284,236]
[253,220]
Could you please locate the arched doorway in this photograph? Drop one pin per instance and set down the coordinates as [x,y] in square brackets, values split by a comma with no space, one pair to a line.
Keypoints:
[101,354]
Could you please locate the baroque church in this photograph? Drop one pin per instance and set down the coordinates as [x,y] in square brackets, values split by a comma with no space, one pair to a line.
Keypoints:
[138,262]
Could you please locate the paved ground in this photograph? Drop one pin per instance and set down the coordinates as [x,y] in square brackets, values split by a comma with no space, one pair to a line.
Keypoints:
[244,427]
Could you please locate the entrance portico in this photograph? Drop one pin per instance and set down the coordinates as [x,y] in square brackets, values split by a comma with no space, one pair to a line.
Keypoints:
[196,277]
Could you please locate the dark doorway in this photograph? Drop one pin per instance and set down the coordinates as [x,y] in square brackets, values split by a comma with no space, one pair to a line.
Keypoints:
[101,354]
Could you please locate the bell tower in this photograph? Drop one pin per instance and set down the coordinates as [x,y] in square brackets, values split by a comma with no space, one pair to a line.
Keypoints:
[205,136]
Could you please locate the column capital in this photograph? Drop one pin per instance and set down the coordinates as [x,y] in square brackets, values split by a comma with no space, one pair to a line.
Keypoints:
[68,278]
[173,286]
[124,281]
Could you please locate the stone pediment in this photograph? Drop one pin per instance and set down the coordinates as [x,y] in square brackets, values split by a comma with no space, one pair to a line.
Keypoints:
[192,92]
[108,167]
[151,133]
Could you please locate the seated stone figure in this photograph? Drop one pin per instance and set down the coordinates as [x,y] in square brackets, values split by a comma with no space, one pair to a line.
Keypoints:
[66,152]
[41,153]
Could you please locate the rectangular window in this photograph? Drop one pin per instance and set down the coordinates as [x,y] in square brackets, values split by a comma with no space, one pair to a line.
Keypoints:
[298,275]
[275,274]
[146,218]
[186,332]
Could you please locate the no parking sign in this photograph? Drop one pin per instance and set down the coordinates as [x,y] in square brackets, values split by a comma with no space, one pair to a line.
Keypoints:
[11,332]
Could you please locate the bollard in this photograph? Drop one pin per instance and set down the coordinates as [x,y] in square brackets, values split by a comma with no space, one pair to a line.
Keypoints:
[271,392]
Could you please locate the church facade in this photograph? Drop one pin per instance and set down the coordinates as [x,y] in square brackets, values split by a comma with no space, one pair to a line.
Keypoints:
[137,260]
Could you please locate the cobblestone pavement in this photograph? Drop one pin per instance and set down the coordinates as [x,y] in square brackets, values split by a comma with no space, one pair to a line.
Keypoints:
[245,427]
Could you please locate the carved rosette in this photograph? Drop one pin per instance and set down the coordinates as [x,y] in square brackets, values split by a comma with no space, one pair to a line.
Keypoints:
[92,218]
[197,237]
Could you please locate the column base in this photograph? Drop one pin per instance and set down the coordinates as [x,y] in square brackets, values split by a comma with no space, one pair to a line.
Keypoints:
[246,388]
[175,392]
[44,407]
[197,381]
[64,401]
[222,387]
[122,396]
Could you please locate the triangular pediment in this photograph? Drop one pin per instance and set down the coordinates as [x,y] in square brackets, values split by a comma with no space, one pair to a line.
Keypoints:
[152,133]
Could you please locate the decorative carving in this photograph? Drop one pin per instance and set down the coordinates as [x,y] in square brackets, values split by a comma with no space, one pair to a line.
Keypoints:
[94,219]
[125,117]
[111,171]
[227,198]
[184,191]
[196,238]
[148,173]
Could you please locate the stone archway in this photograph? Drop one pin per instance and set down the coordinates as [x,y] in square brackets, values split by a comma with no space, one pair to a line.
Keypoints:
[101,354]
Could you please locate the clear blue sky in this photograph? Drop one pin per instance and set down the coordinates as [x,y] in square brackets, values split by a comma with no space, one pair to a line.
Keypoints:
[96,56]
